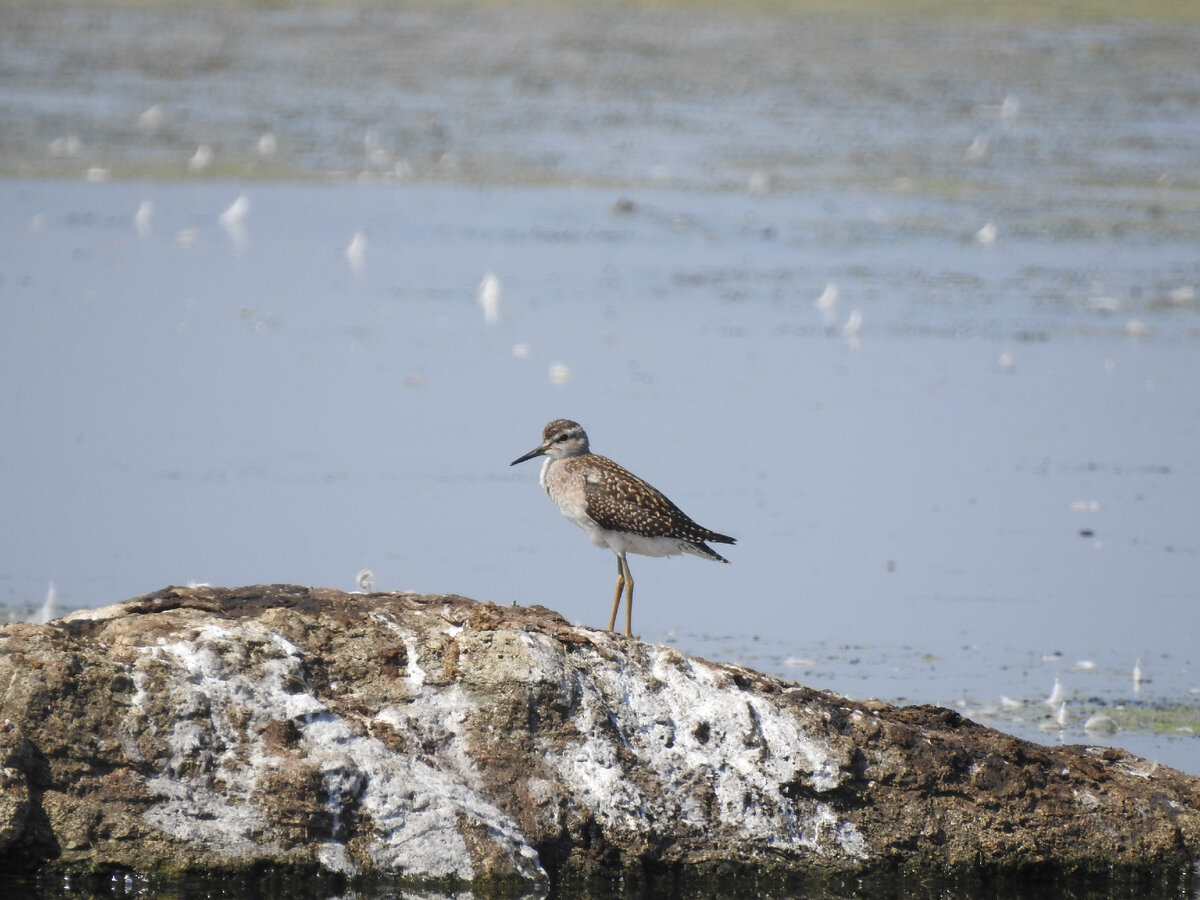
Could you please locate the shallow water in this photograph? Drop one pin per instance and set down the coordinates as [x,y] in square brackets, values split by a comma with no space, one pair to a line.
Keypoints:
[993,485]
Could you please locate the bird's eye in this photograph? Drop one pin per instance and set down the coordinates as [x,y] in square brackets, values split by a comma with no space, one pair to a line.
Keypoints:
[561,438]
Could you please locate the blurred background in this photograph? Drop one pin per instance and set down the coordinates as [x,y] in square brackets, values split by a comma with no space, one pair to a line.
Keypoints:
[903,296]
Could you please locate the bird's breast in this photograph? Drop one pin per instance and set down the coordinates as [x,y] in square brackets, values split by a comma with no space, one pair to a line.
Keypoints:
[566,488]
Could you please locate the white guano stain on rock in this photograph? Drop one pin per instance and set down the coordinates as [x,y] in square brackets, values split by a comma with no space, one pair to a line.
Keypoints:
[714,751]
[228,685]
[274,728]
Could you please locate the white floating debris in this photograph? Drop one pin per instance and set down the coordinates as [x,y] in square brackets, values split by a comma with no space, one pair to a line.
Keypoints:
[143,217]
[1056,695]
[267,145]
[827,303]
[233,220]
[1181,295]
[96,174]
[187,237]
[1062,717]
[759,183]
[377,155]
[799,662]
[235,214]
[978,149]
[1100,723]
[1058,721]
[1010,109]
[363,579]
[356,252]
[67,146]
[1006,362]
[559,373]
[1138,677]
[852,330]
[1085,506]
[1084,665]
[1010,703]
[49,608]
[521,351]
[1137,328]
[489,298]
[201,159]
[986,236]
[151,119]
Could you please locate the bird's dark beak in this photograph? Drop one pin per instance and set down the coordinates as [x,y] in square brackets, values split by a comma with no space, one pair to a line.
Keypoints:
[530,455]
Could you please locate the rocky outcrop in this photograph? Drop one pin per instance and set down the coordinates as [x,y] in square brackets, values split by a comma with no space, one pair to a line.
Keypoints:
[436,741]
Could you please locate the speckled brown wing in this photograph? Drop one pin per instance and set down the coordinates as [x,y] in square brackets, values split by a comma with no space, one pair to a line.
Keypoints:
[618,500]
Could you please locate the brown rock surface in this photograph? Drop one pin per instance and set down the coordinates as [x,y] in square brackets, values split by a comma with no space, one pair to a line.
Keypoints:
[443,742]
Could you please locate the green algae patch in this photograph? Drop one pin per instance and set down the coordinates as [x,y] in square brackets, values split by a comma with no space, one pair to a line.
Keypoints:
[1151,718]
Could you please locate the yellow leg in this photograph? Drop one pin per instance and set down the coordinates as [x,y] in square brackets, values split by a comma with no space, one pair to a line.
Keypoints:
[612,620]
[628,597]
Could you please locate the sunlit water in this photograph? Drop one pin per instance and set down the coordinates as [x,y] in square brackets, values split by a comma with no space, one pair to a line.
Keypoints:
[989,484]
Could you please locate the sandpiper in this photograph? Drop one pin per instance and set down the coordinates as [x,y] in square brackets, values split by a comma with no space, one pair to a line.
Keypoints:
[617,509]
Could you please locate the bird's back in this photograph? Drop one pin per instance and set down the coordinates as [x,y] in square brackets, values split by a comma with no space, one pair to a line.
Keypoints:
[609,497]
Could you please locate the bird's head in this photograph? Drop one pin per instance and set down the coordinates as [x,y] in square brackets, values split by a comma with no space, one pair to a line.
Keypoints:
[560,439]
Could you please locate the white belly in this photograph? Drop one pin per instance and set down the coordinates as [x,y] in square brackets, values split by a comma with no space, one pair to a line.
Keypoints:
[619,542]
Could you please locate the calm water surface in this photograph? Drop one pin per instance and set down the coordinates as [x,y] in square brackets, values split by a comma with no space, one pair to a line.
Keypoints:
[990,484]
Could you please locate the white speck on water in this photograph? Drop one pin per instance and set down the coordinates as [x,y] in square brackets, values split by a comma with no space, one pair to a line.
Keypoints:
[852,330]
[68,146]
[201,159]
[356,252]
[827,303]
[1063,716]
[49,607]
[1100,723]
[1136,328]
[1056,695]
[233,220]
[488,296]
[151,119]
[1010,109]
[143,218]
[1182,295]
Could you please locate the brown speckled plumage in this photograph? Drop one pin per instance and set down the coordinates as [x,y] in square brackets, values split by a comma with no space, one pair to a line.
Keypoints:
[617,500]
[617,509]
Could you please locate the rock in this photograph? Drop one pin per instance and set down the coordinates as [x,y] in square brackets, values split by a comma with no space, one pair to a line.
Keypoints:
[436,742]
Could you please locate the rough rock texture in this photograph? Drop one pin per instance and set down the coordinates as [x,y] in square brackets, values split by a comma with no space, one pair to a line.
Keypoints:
[444,742]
